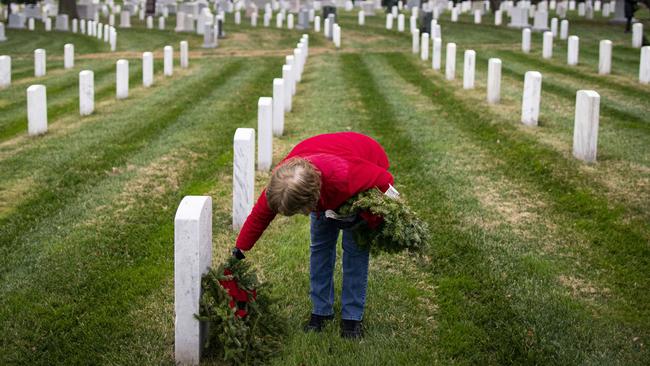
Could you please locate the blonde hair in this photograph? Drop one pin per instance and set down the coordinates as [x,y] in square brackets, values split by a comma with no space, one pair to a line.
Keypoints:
[294,187]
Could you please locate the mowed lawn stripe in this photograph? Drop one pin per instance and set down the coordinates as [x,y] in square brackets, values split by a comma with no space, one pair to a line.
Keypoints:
[518,246]
[481,317]
[141,241]
[615,244]
[104,147]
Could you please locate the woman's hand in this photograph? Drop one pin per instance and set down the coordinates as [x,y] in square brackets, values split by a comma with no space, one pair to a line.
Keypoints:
[237,253]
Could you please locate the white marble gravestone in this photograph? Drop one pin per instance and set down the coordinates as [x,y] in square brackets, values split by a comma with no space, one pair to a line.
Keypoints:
[573,50]
[185,57]
[287,76]
[40,67]
[605,57]
[122,79]
[424,47]
[361,17]
[547,45]
[564,29]
[498,17]
[5,71]
[436,53]
[317,24]
[518,18]
[192,259]
[264,133]
[16,21]
[525,40]
[86,92]
[36,110]
[68,56]
[161,23]
[61,23]
[531,98]
[554,26]
[389,21]
[469,68]
[125,19]
[540,22]
[494,81]
[644,65]
[180,21]
[278,107]
[415,42]
[147,69]
[3,37]
[585,130]
[450,61]
[336,36]
[243,186]
[637,35]
[168,61]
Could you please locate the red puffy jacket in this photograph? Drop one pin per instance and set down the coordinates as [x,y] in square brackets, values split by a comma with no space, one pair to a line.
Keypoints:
[349,163]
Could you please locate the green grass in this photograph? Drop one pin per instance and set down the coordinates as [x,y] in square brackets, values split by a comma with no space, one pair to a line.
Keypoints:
[537,258]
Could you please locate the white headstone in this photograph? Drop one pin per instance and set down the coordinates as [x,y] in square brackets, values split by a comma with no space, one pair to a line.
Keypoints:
[5,71]
[279,19]
[290,21]
[317,24]
[192,259]
[424,47]
[415,46]
[450,61]
[436,53]
[40,68]
[122,79]
[111,20]
[585,130]
[36,110]
[564,29]
[168,61]
[644,65]
[68,56]
[149,22]
[637,35]
[525,40]
[107,33]
[494,81]
[547,45]
[3,37]
[75,25]
[400,23]
[180,22]
[287,77]
[113,39]
[605,57]
[531,98]
[243,185]
[48,24]
[278,107]
[30,24]
[238,17]
[125,19]
[61,23]
[264,133]
[185,57]
[361,17]
[554,30]
[469,68]
[389,21]
[82,26]
[498,17]
[337,36]
[100,29]
[477,17]
[86,92]
[573,50]
[147,69]
[161,23]
[454,14]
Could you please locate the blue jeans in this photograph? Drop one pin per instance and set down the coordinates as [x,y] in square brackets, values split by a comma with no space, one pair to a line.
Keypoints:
[324,234]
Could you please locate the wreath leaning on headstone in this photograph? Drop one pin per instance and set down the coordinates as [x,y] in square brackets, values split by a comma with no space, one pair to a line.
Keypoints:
[244,323]
[388,225]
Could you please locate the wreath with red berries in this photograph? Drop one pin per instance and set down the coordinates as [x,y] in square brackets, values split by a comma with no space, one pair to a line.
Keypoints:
[245,325]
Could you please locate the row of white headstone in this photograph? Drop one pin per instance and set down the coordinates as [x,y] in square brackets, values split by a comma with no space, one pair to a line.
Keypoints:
[587,101]
[193,220]
[36,94]
[573,47]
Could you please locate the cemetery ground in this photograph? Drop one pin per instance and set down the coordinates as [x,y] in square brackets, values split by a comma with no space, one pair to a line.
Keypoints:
[537,257]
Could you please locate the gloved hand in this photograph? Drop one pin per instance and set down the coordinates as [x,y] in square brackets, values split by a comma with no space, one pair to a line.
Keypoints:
[237,253]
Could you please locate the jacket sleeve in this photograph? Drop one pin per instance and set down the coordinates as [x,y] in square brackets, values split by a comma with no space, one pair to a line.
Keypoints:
[366,176]
[255,224]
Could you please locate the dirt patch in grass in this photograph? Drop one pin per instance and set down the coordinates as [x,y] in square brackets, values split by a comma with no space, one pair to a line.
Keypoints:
[11,194]
[580,288]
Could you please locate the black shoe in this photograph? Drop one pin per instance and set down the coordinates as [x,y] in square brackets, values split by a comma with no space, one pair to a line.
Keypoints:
[317,322]
[352,329]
